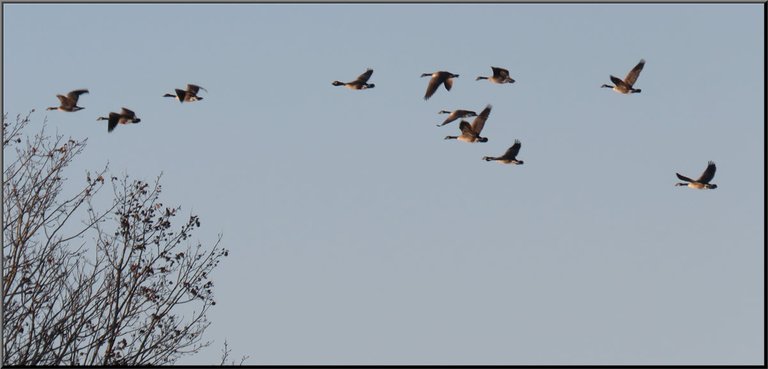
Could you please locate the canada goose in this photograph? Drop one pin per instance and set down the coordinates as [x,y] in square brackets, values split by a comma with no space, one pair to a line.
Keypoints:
[456,114]
[471,133]
[438,77]
[500,75]
[188,95]
[509,157]
[625,86]
[703,181]
[358,84]
[69,102]
[124,117]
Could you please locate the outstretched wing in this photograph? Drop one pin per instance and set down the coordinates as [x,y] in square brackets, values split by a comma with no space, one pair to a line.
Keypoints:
[128,113]
[500,72]
[451,117]
[708,174]
[434,82]
[456,114]
[181,94]
[512,151]
[479,122]
[112,123]
[448,82]
[74,95]
[683,178]
[620,83]
[363,78]
[634,73]
[466,128]
[195,88]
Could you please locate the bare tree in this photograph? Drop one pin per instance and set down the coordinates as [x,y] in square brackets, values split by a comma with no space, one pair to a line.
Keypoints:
[123,287]
[226,351]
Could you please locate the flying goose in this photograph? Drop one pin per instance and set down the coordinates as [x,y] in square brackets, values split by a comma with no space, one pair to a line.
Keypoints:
[446,78]
[500,75]
[625,86]
[124,117]
[456,114]
[509,157]
[69,102]
[703,181]
[471,133]
[188,95]
[358,84]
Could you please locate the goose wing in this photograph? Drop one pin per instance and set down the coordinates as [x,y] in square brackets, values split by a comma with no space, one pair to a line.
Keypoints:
[112,122]
[74,95]
[500,72]
[708,174]
[466,128]
[447,81]
[434,82]
[456,114]
[683,178]
[451,117]
[363,78]
[620,83]
[634,73]
[65,101]
[195,88]
[479,122]
[180,93]
[127,113]
[513,150]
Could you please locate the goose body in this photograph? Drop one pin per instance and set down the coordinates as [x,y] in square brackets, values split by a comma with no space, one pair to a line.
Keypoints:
[456,114]
[703,181]
[439,77]
[509,157]
[361,83]
[625,86]
[500,75]
[124,117]
[69,102]
[188,95]
[471,132]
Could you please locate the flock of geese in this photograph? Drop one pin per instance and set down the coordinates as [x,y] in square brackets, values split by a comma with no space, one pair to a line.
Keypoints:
[470,132]
[68,103]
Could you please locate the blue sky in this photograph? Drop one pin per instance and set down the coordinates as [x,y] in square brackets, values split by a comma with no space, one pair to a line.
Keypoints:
[359,236]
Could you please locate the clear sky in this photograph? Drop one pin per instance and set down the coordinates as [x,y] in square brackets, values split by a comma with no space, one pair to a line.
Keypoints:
[358,235]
